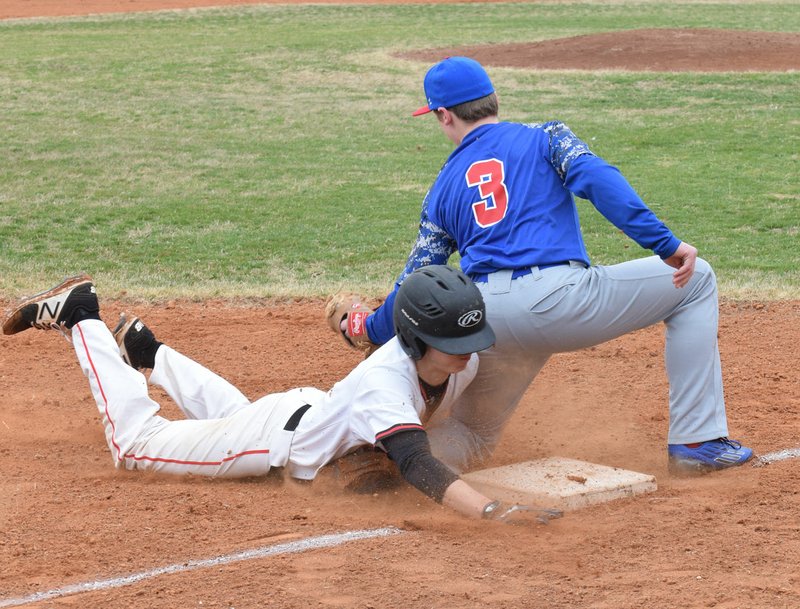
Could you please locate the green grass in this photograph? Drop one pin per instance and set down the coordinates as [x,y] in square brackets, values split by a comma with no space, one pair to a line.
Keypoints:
[269,151]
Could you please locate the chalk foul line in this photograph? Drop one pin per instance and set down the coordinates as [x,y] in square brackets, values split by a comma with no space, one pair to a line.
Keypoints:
[292,547]
[778,455]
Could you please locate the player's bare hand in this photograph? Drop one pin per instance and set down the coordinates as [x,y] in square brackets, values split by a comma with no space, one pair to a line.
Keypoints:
[522,514]
[684,260]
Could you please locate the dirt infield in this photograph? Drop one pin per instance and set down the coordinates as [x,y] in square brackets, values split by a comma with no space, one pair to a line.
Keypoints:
[727,540]
[657,50]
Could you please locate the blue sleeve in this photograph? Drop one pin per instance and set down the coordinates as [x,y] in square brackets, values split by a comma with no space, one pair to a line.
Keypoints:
[433,246]
[380,327]
[564,146]
[592,178]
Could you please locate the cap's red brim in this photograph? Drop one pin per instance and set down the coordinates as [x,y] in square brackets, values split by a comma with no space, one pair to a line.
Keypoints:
[421,111]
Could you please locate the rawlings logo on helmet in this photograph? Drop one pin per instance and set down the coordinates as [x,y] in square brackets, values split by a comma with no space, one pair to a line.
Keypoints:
[408,317]
[470,318]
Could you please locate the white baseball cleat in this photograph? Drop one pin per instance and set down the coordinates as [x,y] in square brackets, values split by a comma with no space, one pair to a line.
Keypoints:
[53,308]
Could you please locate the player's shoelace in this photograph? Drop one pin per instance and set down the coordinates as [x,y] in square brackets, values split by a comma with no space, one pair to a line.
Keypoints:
[731,443]
[722,450]
[60,328]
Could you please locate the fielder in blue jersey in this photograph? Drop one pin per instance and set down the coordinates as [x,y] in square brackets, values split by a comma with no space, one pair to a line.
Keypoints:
[504,201]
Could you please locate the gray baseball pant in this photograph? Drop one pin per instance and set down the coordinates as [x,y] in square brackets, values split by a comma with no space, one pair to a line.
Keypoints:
[571,307]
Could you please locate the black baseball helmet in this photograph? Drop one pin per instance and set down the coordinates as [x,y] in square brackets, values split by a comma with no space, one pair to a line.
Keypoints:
[438,306]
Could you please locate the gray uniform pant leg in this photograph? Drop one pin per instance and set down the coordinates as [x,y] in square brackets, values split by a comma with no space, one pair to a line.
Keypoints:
[566,308]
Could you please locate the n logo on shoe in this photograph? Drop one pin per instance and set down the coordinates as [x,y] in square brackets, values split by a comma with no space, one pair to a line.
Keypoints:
[52,313]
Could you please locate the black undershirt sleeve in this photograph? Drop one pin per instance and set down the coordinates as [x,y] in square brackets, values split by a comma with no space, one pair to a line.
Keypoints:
[411,451]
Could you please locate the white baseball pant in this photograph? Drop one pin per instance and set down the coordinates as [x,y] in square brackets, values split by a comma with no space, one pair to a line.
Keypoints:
[224,433]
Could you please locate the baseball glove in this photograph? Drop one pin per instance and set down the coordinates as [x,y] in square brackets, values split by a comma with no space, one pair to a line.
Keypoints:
[365,471]
[350,308]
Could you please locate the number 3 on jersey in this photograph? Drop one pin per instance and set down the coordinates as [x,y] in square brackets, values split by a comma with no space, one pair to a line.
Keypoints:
[488,176]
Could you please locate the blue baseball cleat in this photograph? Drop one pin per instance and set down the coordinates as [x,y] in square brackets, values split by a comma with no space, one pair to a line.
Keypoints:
[708,456]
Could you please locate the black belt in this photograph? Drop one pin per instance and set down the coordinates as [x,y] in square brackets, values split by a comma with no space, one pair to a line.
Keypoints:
[484,277]
[294,420]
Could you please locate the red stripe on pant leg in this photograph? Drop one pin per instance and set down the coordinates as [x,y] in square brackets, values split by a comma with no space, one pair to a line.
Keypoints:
[182,462]
[144,457]
[102,391]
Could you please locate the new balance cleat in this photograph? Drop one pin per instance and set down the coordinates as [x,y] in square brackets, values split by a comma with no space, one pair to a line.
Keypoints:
[137,343]
[708,456]
[58,308]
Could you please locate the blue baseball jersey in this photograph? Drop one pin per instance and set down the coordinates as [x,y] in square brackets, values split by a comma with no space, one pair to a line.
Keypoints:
[504,200]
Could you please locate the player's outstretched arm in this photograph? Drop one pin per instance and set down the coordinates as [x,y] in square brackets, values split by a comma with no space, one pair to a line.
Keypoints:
[433,246]
[464,499]
[411,451]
